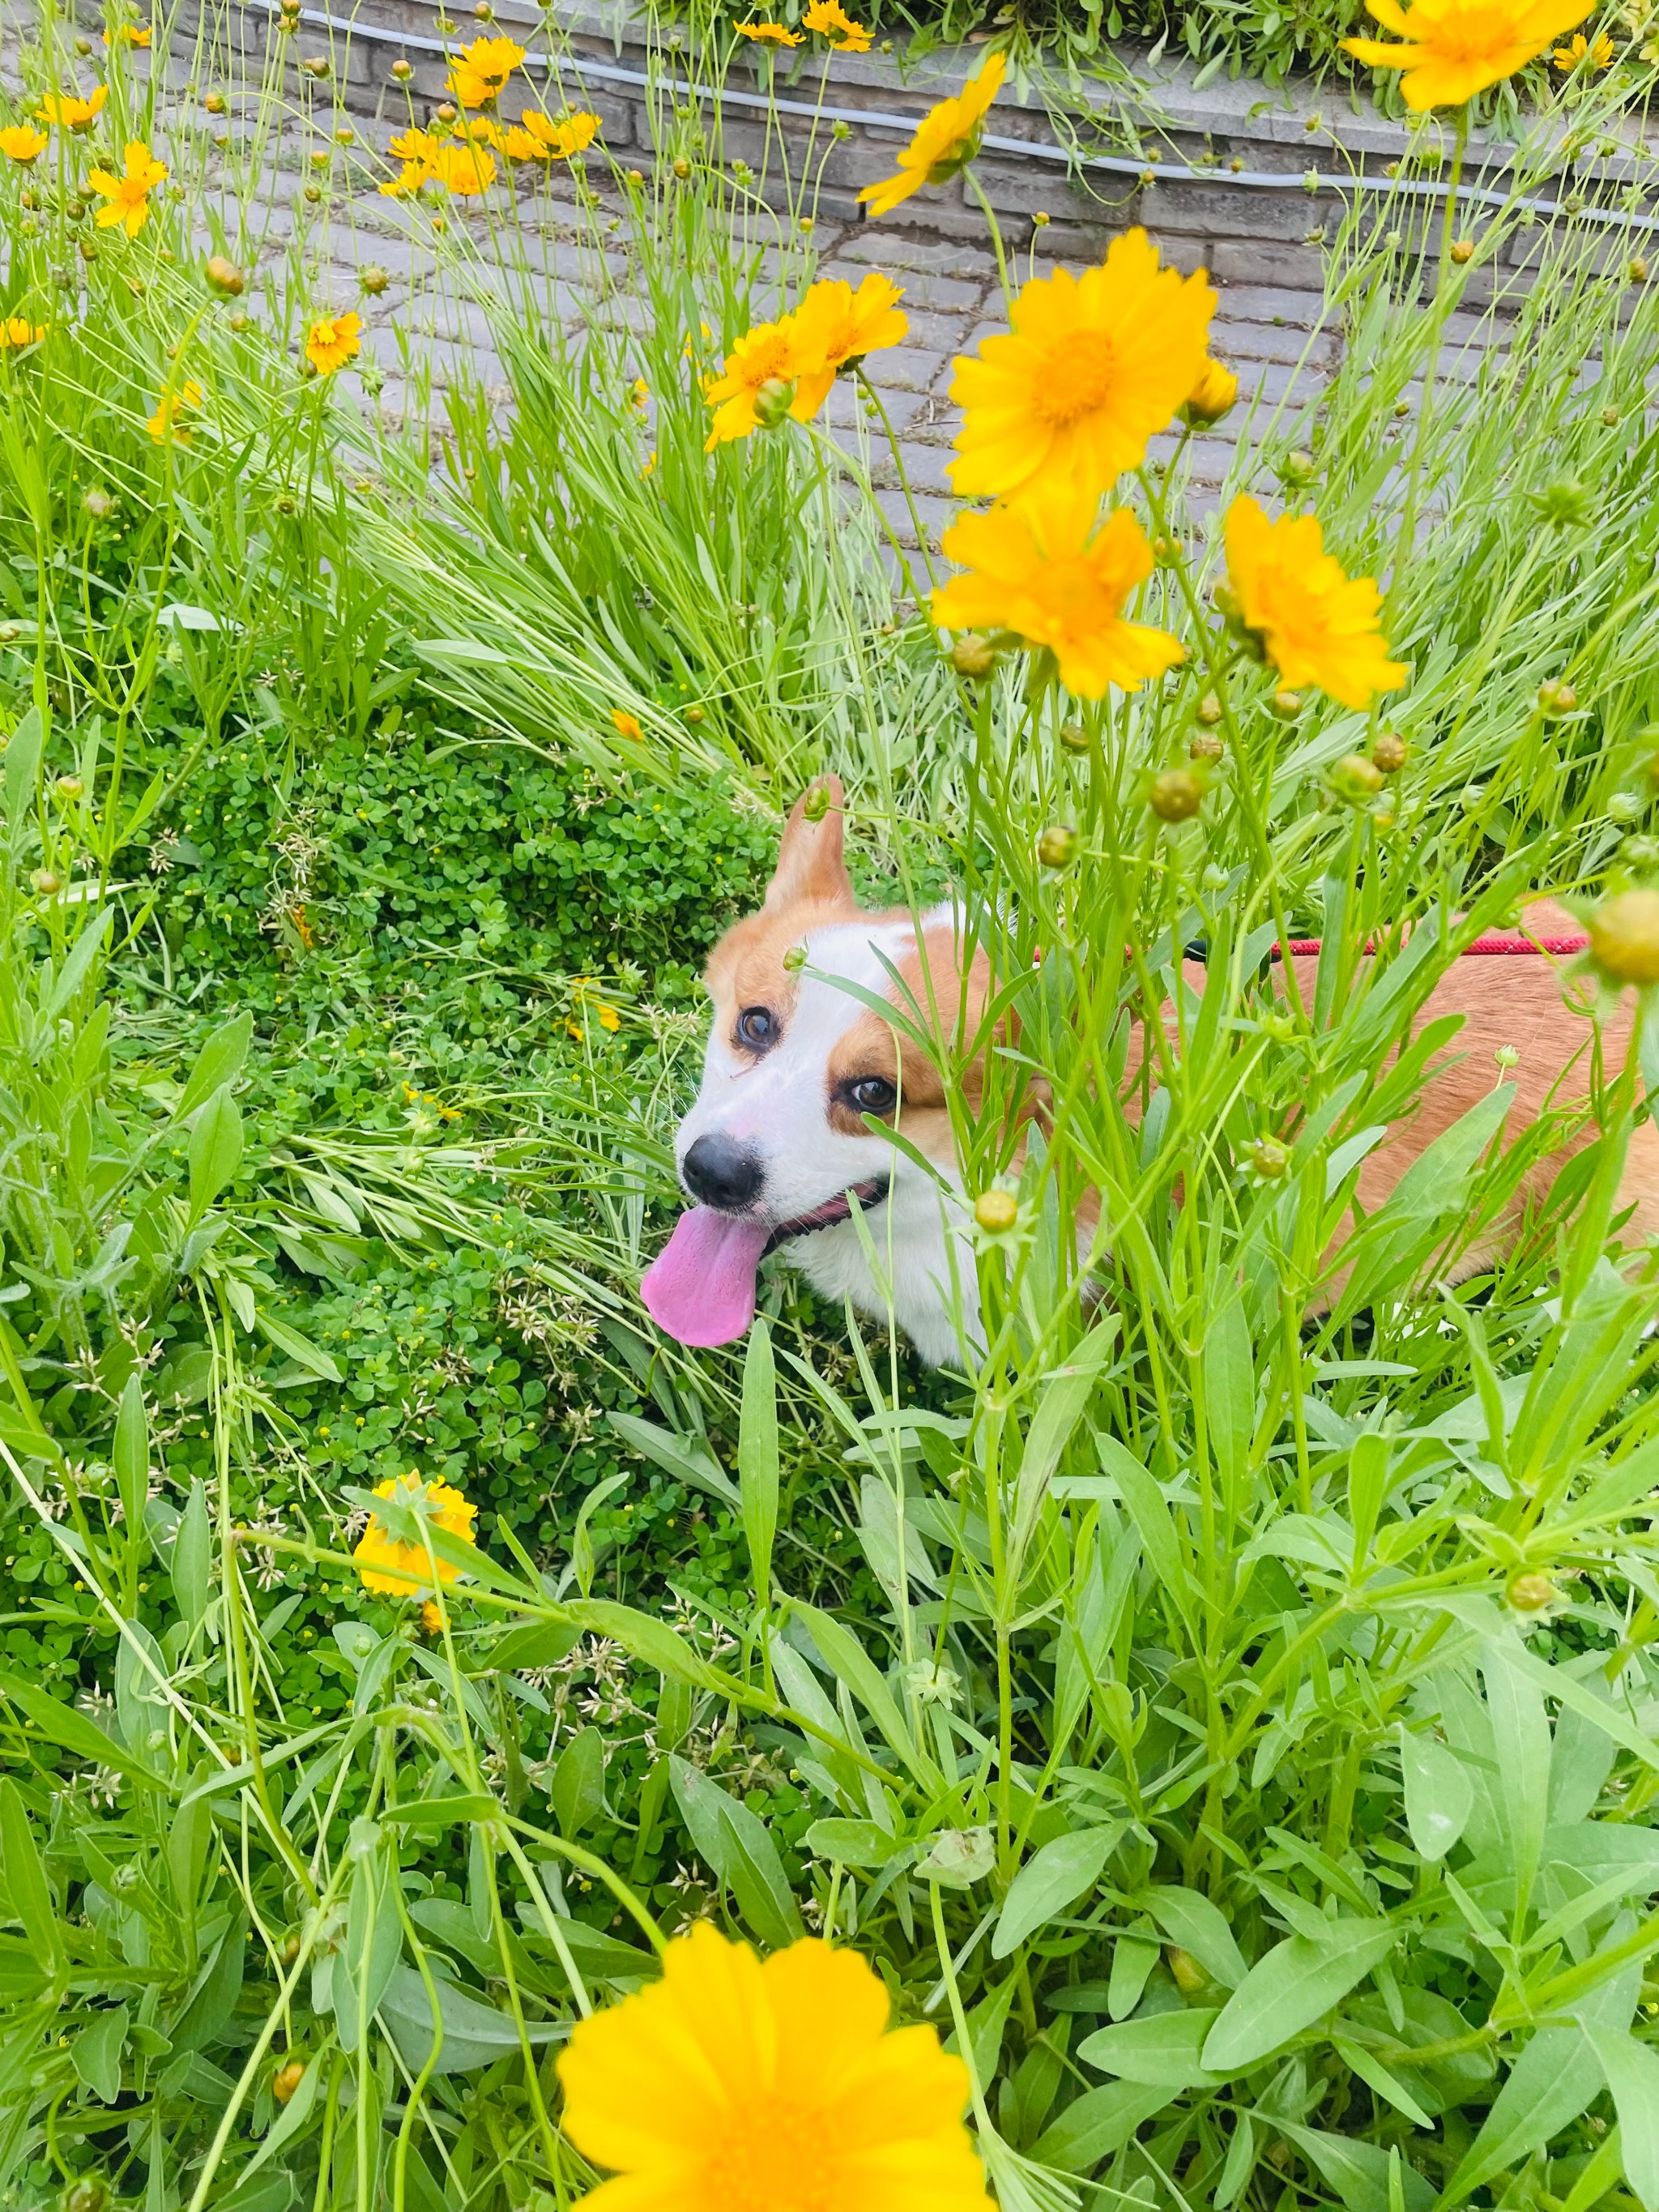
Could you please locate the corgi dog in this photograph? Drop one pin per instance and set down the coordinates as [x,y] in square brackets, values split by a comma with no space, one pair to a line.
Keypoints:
[777,1152]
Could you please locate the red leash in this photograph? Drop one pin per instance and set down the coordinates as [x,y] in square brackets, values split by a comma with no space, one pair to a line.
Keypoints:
[1561,947]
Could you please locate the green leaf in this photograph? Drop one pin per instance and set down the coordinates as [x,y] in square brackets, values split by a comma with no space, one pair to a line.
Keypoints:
[847,1660]
[23,1874]
[97,2053]
[987,2023]
[131,1453]
[474,2034]
[852,1842]
[676,1456]
[1298,1981]
[1633,2074]
[1050,1882]
[215,1150]
[76,967]
[219,1063]
[1376,2076]
[1439,1793]
[23,766]
[1548,2086]
[1358,2172]
[577,1789]
[757,1456]
[734,1842]
[645,1638]
[1097,2123]
[441,1811]
[310,1356]
[192,1556]
[1190,1920]
[73,1732]
[1163,2049]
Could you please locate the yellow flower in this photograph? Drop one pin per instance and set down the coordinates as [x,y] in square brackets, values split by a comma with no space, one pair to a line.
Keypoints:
[1039,567]
[834,327]
[413,146]
[131,34]
[477,74]
[732,2085]
[404,1570]
[946,138]
[539,138]
[774,34]
[1454,48]
[463,170]
[626,725]
[22,141]
[479,130]
[416,150]
[333,341]
[68,113]
[831,21]
[1315,625]
[432,1617]
[408,180]
[1213,395]
[1600,54]
[766,355]
[1092,369]
[164,423]
[127,195]
[17,332]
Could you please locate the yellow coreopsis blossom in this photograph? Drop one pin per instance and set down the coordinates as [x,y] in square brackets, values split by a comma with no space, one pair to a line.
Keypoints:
[404,1570]
[626,724]
[738,2085]
[167,422]
[466,171]
[127,195]
[332,341]
[1453,49]
[130,34]
[416,150]
[478,73]
[833,329]
[766,355]
[1213,395]
[830,21]
[66,110]
[768,34]
[1293,602]
[1092,368]
[17,332]
[22,141]
[540,138]
[1600,52]
[1038,567]
[947,136]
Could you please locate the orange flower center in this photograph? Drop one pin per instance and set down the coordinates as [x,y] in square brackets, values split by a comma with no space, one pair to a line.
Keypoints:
[1074,379]
[783,2159]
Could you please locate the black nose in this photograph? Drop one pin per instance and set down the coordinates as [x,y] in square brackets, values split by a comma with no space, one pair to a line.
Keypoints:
[722,1174]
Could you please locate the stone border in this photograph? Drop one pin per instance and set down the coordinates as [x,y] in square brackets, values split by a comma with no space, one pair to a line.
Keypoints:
[1231,186]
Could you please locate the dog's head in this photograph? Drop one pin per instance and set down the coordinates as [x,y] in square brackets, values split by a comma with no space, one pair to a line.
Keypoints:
[779,1145]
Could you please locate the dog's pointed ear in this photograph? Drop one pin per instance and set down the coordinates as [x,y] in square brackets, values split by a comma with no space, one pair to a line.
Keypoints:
[811,864]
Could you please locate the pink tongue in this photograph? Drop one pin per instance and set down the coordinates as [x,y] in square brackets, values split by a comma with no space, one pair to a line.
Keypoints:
[701,1287]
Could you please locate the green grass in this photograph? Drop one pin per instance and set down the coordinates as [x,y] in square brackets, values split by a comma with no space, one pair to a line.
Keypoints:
[1288,1860]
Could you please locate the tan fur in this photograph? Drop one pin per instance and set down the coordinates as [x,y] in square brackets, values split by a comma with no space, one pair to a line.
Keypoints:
[1526,1002]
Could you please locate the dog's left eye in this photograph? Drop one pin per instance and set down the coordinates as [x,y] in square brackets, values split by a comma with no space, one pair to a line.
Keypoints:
[872,1094]
[757,1029]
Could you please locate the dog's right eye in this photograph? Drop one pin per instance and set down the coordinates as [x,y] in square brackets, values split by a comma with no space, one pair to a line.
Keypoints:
[757,1029]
